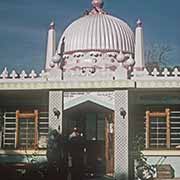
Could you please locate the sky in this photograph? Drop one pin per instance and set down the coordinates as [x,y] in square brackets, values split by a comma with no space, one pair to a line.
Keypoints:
[24,25]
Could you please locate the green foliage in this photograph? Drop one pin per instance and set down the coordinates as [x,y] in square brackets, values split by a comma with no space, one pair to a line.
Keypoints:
[144,171]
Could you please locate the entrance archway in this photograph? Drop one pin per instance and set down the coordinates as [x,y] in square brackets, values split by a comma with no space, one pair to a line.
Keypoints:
[95,122]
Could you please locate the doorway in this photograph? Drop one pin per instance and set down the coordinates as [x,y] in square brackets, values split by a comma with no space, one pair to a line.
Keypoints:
[95,122]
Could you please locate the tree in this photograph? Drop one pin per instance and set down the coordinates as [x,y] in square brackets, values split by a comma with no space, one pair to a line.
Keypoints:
[157,55]
[144,171]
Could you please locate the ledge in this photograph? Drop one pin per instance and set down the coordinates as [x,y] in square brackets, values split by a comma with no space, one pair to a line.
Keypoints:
[167,179]
[161,152]
[53,85]
[22,152]
[165,83]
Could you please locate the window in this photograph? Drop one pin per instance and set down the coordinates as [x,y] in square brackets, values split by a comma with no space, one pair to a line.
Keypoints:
[162,130]
[91,126]
[9,130]
[25,130]
[101,126]
[175,129]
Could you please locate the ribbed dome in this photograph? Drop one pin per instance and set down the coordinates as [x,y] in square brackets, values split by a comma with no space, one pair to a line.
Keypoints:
[100,32]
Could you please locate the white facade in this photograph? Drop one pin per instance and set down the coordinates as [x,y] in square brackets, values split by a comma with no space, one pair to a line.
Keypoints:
[98,66]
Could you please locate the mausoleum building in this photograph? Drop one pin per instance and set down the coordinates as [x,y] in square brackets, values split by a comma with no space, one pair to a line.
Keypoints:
[96,78]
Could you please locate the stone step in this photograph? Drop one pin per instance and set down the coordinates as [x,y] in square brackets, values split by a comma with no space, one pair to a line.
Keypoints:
[165,171]
[167,179]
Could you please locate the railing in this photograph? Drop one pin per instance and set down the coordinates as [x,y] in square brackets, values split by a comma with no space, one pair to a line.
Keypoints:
[156,74]
[88,73]
[5,75]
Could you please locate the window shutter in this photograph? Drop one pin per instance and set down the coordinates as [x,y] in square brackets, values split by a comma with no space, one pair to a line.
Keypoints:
[9,137]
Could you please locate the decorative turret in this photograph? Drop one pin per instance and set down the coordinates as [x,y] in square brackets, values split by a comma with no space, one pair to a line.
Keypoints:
[51,46]
[139,47]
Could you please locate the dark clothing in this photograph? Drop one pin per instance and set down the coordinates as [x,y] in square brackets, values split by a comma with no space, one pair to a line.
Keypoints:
[57,155]
[76,150]
[53,153]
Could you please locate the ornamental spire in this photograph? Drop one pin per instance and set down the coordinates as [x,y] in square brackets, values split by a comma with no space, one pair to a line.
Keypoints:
[97,7]
[52,25]
[139,23]
[51,45]
[97,3]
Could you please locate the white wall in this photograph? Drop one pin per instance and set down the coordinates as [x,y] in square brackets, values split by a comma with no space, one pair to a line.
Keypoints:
[173,161]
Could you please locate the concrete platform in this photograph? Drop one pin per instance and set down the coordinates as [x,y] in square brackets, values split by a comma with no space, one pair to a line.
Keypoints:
[167,179]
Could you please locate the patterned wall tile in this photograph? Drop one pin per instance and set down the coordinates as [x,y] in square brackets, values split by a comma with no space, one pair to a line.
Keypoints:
[55,101]
[121,136]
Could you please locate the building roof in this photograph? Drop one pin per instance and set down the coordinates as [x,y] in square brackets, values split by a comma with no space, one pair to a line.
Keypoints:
[97,31]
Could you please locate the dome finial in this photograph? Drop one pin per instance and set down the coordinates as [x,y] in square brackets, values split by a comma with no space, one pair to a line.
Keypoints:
[52,25]
[97,7]
[97,3]
[139,23]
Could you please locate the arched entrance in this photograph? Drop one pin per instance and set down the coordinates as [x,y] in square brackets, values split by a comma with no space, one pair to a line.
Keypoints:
[96,124]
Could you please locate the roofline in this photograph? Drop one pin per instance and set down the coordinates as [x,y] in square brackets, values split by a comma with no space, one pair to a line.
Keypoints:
[13,84]
[66,85]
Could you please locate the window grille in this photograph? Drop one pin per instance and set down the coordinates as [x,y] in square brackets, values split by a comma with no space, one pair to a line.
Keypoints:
[43,127]
[175,129]
[157,130]
[9,130]
[26,133]
[27,130]
[162,130]
[19,130]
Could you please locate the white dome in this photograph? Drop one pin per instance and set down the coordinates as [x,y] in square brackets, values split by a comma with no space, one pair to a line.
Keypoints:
[99,32]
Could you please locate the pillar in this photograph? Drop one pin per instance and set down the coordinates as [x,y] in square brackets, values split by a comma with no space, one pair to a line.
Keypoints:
[139,47]
[121,151]
[55,110]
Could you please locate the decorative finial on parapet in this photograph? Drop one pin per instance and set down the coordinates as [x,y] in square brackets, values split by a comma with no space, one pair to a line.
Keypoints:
[139,23]
[52,25]
[4,74]
[97,3]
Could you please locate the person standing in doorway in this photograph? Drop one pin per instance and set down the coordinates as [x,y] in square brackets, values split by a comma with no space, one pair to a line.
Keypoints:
[76,151]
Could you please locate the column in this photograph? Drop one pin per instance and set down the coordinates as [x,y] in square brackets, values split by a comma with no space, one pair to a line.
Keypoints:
[121,135]
[55,110]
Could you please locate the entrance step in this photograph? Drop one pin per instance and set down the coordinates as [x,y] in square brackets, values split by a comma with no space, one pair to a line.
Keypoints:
[165,171]
[168,179]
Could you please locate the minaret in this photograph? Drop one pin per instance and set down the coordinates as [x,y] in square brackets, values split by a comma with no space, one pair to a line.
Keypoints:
[139,47]
[51,45]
